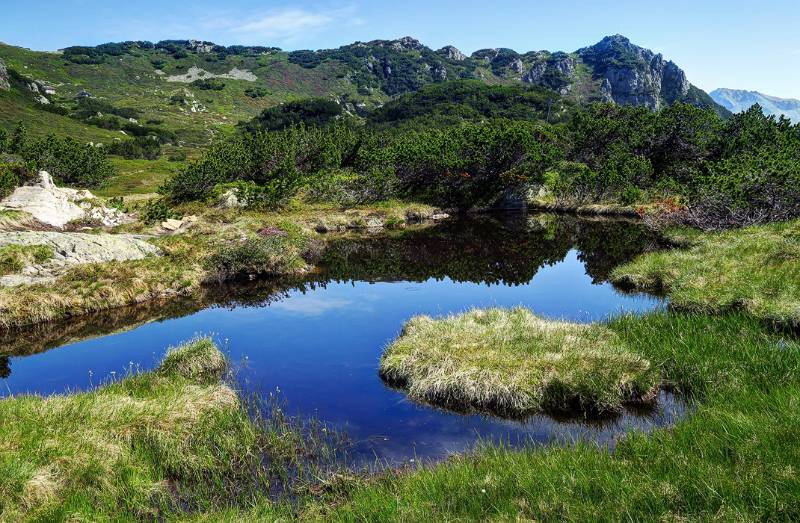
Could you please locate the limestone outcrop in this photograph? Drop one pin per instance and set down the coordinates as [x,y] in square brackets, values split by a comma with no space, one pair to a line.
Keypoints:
[58,206]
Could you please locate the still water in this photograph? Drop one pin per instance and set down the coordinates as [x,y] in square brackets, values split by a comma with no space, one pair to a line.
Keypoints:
[318,341]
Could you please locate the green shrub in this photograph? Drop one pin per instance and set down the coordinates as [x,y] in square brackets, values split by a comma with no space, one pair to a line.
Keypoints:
[209,84]
[12,175]
[275,161]
[144,147]
[156,211]
[252,257]
[473,164]
[69,161]
[312,111]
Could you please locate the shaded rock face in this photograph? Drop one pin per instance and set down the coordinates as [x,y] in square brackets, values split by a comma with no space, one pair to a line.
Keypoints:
[633,75]
[4,84]
[555,71]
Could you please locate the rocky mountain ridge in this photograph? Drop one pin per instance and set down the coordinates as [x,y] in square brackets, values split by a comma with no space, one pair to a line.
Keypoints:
[194,89]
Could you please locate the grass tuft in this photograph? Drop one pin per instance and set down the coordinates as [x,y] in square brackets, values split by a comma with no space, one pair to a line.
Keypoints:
[14,258]
[511,362]
[199,360]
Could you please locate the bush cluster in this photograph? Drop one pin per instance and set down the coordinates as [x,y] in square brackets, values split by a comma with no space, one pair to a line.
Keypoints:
[442,146]
[144,147]
[68,160]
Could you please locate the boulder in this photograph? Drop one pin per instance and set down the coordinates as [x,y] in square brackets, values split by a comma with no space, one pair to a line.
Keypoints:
[57,206]
[173,225]
[229,200]
[73,249]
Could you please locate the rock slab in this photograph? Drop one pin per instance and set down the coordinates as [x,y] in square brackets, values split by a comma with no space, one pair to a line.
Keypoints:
[74,248]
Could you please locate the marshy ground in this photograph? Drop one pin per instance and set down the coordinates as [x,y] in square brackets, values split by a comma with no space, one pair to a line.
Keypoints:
[177,442]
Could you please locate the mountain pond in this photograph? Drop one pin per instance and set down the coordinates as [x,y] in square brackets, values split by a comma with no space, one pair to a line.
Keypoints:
[316,342]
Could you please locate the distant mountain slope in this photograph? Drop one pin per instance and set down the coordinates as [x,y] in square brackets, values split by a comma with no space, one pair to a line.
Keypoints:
[194,90]
[737,100]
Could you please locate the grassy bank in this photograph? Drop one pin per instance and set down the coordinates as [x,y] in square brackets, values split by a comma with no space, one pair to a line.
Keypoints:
[756,269]
[121,450]
[176,443]
[221,244]
[514,363]
[173,443]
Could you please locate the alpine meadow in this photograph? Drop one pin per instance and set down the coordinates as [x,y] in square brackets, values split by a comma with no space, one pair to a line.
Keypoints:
[391,282]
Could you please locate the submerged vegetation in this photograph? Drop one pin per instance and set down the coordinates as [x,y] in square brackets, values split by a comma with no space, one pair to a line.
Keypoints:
[514,363]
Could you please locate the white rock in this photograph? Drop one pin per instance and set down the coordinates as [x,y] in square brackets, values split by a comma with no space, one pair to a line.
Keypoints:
[171,224]
[73,249]
[58,206]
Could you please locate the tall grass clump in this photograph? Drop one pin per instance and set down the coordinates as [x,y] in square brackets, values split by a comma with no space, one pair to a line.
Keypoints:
[160,445]
[513,362]
[121,450]
[755,269]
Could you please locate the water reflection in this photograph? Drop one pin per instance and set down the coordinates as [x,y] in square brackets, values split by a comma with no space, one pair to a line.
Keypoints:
[318,339]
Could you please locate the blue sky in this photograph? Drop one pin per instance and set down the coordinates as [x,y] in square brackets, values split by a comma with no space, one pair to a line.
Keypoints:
[733,43]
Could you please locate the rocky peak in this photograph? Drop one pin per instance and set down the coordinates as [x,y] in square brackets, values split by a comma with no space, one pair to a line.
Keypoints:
[452,53]
[407,44]
[633,75]
[200,47]
[4,84]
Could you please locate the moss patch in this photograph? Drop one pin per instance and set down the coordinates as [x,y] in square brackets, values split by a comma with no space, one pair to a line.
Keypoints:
[513,362]
[756,269]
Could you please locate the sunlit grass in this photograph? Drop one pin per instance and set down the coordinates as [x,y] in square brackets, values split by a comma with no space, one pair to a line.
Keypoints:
[513,362]
[14,258]
[756,269]
[735,458]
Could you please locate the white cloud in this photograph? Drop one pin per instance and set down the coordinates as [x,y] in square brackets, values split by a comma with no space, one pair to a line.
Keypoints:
[285,24]
[290,23]
[310,305]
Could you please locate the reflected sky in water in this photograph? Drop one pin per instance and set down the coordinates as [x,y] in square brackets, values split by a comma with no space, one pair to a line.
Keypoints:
[320,343]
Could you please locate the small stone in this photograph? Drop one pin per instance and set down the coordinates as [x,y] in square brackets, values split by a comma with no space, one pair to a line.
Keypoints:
[171,224]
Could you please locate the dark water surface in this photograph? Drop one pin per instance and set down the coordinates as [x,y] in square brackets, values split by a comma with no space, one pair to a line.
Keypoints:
[318,341]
